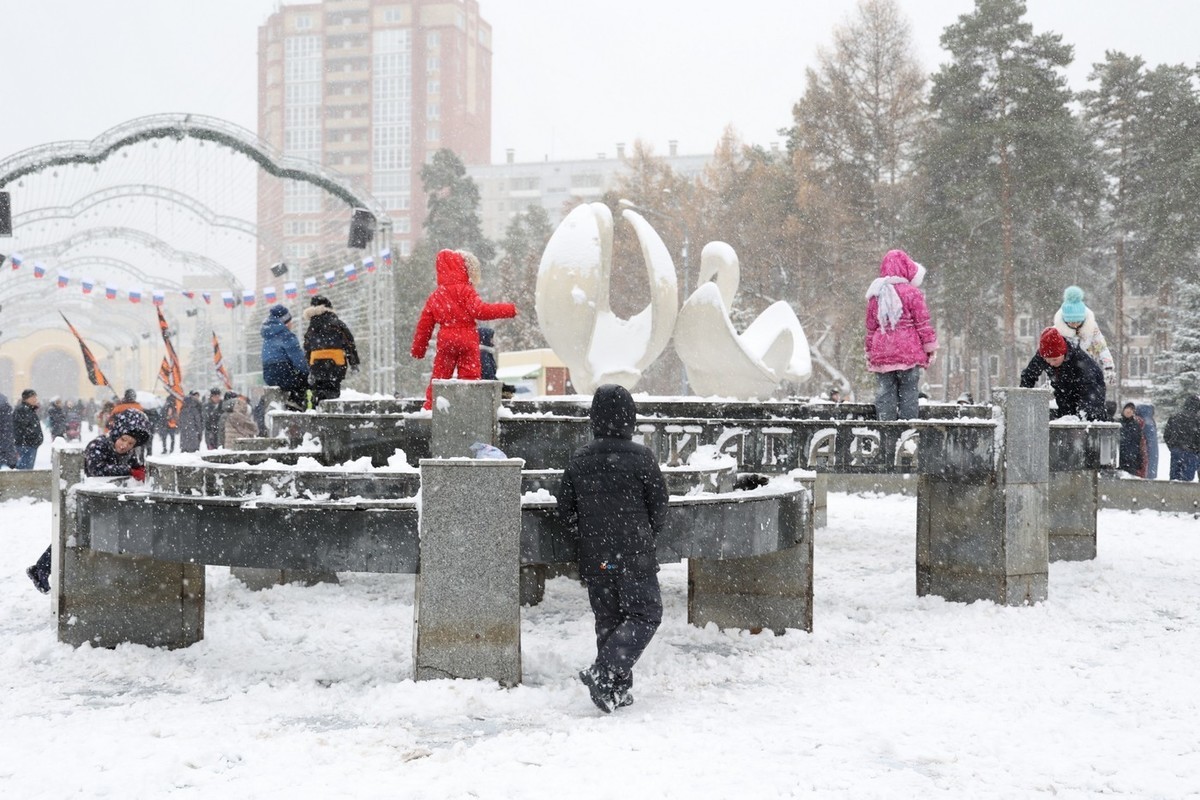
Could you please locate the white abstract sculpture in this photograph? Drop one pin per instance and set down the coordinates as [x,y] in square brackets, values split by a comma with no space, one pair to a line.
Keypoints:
[572,300]
[719,361]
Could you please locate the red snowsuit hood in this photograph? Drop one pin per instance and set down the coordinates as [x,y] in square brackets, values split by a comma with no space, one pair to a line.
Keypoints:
[897,264]
[451,268]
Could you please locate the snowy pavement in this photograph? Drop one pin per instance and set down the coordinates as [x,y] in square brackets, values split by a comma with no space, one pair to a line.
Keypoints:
[306,692]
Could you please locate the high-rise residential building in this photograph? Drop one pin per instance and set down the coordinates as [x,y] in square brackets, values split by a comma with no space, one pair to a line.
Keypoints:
[369,88]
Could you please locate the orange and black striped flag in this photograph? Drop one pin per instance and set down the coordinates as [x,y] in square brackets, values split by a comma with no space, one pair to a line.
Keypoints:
[219,363]
[170,373]
[89,361]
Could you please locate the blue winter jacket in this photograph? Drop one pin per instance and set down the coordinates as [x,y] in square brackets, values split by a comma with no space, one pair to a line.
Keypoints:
[283,360]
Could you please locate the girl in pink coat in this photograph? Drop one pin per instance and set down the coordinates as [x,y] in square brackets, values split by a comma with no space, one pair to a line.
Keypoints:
[900,338]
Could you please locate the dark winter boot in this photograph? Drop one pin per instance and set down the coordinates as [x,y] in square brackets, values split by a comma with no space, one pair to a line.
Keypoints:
[40,580]
[599,682]
[623,690]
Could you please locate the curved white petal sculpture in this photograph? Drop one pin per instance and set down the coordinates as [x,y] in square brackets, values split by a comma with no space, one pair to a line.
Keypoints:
[719,361]
[573,307]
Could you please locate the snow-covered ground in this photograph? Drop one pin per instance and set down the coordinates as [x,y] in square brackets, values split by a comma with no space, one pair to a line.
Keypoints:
[306,692]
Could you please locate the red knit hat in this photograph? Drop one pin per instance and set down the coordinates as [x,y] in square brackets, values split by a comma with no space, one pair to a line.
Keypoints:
[1052,344]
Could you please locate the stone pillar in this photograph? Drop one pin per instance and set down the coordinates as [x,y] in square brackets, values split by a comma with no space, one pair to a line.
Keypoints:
[107,599]
[1074,500]
[467,621]
[771,591]
[983,534]
[820,493]
[464,412]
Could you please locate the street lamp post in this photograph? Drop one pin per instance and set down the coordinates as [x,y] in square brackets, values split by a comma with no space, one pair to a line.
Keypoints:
[683,253]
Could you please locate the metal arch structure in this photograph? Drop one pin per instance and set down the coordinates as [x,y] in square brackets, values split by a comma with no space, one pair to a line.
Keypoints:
[152,192]
[189,126]
[139,237]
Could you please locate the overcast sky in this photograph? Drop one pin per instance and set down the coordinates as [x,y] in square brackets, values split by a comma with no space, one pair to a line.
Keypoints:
[570,78]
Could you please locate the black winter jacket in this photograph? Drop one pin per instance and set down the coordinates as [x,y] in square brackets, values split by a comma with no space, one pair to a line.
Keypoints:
[100,457]
[1078,384]
[8,447]
[1182,431]
[27,428]
[327,332]
[612,494]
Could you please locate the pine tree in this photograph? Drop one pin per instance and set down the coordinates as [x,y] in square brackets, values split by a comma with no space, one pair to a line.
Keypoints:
[1178,367]
[453,203]
[1009,175]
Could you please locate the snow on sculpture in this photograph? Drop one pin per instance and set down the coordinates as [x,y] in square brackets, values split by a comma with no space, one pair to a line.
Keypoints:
[572,300]
[719,361]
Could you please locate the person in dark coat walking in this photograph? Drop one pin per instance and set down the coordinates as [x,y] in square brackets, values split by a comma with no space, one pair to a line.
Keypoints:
[8,446]
[613,497]
[27,429]
[191,424]
[213,426]
[1181,435]
[283,362]
[56,418]
[329,348]
[1132,457]
[111,454]
[1146,412]
[1076,378]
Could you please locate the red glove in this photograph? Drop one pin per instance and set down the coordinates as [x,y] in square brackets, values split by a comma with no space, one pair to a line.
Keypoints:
[138,473]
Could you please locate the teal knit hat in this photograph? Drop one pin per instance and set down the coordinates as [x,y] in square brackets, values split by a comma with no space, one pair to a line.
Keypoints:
[1073,309]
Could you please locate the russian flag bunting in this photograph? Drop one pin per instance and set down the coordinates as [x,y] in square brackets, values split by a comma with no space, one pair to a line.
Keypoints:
[290,291]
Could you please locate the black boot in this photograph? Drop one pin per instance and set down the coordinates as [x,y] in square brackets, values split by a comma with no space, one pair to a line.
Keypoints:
[599,682]
[623,690]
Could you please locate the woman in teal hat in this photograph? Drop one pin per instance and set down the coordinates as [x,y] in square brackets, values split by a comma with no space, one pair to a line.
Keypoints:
[1076,322]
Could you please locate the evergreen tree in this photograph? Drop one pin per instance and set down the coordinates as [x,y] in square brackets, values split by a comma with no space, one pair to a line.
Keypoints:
[453,202]
[1008,172]
[1178,367]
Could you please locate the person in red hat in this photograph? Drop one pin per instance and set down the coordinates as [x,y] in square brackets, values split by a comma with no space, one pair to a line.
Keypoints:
[1077,380]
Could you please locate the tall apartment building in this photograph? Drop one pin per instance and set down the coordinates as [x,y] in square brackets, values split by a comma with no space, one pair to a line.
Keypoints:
[369,88]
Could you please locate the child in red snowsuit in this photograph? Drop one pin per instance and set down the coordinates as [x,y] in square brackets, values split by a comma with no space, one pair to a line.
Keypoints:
[455,306]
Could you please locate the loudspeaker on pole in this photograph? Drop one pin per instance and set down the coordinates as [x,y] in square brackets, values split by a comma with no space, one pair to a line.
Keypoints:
[5,215]
[362,229]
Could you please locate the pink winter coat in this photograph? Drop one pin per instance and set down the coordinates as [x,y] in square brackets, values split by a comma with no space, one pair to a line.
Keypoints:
[912,340]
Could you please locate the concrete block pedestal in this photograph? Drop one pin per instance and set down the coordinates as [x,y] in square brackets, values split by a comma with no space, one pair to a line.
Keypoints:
[467,620]
[106,599]
[985,535]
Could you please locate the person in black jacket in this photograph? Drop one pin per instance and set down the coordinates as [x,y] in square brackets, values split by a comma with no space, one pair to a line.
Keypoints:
[213,426]
[1076,378]
[191,424]
[8,446]
[112,454]
[27,429]
[1132,457]
[1181,435]
[329,348]
[614,498]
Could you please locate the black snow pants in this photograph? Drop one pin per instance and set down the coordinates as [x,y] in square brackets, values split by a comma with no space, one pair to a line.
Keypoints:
[628,611]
